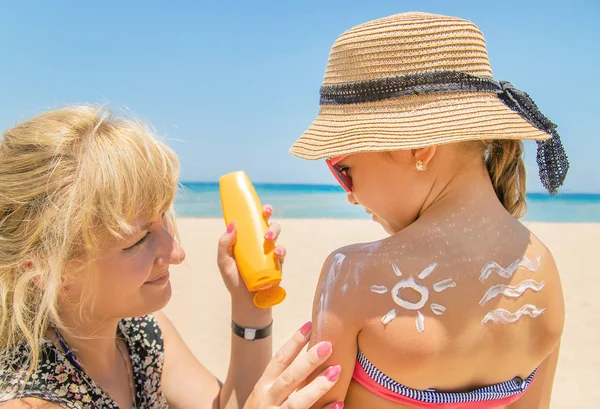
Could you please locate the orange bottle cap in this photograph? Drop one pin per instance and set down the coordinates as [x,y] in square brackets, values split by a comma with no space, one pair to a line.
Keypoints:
[269,297]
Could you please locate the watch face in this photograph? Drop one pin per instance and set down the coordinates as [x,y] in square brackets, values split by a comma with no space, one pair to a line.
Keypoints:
[249,334]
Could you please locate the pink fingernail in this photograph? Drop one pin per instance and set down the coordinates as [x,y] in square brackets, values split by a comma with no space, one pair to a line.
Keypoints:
[269,235]
[230,227]
[333,373]
[268,209]
[278,251]
[324,349]
[338,405]
[306,328]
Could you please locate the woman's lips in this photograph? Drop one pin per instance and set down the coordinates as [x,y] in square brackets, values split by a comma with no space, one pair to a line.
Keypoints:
[162,279]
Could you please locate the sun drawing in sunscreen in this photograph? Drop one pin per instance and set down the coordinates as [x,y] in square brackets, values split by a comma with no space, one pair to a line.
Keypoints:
[420,288]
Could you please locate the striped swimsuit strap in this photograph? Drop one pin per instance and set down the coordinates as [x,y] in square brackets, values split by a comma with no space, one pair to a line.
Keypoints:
[499,391]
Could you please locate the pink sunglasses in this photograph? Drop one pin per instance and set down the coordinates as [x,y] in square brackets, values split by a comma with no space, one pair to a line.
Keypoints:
[340,172]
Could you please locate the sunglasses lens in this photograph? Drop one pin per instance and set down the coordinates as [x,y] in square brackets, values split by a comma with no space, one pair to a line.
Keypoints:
[347,182]
[343,179]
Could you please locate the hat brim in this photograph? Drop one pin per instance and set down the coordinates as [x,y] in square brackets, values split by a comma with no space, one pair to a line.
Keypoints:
[411,122]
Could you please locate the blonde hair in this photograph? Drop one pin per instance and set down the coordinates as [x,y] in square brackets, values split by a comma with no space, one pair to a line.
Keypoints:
[69,178]
[504,161]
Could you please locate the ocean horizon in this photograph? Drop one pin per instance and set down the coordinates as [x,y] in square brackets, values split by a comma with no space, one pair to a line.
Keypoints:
[319,201]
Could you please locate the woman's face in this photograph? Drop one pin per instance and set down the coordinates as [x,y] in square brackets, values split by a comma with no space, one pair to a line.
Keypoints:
[129,277]
[388,186]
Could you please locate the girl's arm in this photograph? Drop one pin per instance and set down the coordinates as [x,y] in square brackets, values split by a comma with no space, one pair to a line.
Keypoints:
[539,393]
[336,320]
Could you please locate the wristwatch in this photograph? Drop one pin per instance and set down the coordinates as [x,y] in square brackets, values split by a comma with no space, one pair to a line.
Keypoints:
[251,334]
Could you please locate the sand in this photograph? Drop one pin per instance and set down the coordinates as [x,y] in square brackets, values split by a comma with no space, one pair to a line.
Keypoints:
[200,303]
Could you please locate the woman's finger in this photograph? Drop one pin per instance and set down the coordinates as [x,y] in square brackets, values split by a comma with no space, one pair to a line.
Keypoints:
[335,405]
[226,242]
[299,370]
[280,253]
[273,232]
[267,212]
[287,353]
[307,396]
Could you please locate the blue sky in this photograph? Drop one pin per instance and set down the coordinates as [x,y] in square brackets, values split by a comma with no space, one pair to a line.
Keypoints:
[232,84]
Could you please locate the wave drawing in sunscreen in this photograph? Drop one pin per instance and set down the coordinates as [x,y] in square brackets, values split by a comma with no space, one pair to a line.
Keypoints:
[512,291]
[493,267]
[502,316]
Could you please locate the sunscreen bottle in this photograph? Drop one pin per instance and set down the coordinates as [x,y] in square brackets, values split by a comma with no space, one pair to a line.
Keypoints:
[259,268]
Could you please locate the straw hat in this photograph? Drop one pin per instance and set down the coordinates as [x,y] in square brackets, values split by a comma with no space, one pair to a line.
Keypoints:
[414,80]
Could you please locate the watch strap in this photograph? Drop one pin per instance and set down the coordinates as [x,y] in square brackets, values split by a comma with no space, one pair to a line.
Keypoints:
[251,334]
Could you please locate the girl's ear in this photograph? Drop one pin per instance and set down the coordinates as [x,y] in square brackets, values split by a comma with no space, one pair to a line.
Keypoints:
[425,155]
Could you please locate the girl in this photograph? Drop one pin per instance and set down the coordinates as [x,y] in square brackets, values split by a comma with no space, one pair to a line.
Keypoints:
[461,307]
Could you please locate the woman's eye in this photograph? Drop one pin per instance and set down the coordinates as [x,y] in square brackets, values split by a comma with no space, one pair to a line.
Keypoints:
[140,241]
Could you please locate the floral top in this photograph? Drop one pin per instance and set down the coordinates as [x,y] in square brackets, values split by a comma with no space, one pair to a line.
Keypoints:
[60,379]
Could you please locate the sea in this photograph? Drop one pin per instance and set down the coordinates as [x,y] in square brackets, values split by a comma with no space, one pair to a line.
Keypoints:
[201,199]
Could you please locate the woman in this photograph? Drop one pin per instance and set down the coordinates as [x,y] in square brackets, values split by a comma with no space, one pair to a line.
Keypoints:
[461,307]
[86,241]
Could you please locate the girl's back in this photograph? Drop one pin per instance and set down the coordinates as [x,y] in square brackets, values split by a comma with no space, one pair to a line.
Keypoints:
[446,307]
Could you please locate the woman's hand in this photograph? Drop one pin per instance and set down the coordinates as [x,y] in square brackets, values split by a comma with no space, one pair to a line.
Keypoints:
[276,389]
[226,261]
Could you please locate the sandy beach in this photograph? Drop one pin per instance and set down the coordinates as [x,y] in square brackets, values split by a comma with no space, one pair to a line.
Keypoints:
[200,304]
